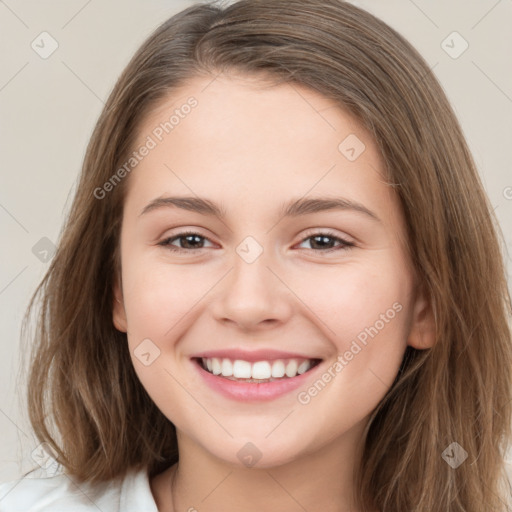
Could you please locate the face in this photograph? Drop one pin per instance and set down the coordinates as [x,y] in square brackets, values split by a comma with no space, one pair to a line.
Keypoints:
[287,255]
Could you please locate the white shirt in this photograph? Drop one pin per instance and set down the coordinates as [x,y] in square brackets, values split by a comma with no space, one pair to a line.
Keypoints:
[59,493]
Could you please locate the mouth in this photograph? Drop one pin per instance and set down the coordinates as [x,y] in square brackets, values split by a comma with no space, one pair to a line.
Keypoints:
[256,372]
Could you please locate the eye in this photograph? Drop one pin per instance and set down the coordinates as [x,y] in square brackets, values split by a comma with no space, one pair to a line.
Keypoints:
[320,242]
[323,242]
[190,240]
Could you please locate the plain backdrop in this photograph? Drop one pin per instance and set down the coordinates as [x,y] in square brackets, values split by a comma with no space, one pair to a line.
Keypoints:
[48,108]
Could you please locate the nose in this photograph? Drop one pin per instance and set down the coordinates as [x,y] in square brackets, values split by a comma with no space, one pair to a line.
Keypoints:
[253,296]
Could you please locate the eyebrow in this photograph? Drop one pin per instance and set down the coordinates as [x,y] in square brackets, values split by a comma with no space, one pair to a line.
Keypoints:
[294,208]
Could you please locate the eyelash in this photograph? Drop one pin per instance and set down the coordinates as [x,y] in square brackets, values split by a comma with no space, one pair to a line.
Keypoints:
[345,243]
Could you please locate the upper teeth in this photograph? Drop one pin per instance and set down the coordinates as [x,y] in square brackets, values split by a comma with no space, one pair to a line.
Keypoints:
[259,370]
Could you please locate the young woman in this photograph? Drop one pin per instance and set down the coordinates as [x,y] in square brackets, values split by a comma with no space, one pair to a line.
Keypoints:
[280,284]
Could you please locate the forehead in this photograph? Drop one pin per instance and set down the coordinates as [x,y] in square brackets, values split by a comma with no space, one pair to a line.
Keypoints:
[244,134]
[237,107]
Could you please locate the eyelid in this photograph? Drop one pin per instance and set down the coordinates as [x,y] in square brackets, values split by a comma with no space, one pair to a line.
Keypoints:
[346,243]
[329,232]
[309,234]
[183,234]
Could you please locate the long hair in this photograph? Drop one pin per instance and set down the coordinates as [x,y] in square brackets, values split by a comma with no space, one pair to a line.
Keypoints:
[84,398]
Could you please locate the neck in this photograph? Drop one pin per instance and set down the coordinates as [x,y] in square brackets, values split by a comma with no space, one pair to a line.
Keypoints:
[320,480]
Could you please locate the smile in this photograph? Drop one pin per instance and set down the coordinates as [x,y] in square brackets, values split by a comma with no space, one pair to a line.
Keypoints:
[259,371]
[257,380]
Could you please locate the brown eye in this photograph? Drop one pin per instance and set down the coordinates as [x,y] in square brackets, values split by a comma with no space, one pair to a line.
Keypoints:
[188,241]
[326,242]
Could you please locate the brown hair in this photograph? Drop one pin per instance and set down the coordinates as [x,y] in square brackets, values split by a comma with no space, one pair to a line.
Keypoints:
[81,376]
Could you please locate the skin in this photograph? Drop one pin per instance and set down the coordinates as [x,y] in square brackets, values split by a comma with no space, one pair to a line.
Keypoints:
[250,148]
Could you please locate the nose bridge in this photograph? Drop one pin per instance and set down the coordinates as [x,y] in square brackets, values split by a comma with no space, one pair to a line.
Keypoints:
[250,280]
[251,292]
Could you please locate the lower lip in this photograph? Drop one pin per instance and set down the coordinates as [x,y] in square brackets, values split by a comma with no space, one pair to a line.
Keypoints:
[253,391]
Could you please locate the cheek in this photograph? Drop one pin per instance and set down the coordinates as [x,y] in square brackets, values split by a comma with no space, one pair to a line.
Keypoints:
[364,311]
[351,297]
[159,296]
[161,304]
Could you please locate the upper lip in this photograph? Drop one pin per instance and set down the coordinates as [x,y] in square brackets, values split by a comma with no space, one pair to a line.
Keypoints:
[253,355]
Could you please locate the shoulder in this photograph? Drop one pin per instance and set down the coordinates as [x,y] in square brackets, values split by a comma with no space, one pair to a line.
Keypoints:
[61,492]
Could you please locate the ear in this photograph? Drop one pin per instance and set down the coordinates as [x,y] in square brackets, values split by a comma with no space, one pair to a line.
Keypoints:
[423,323]
[118,311]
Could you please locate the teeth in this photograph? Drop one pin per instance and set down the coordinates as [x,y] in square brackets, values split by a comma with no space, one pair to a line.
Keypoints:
[291,368]
[241,369]
[303,367]
[227,368]
[261,370]
[216,367]
[278,369]
[258,371]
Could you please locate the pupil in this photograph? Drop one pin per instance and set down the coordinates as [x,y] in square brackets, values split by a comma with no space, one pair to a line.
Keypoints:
[324,240]
[188,238]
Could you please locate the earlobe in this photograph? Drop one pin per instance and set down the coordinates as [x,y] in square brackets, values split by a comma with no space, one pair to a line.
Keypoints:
[118,311]
[423,324]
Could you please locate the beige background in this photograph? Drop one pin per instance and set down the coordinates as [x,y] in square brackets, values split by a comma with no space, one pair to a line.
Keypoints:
[49,107]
